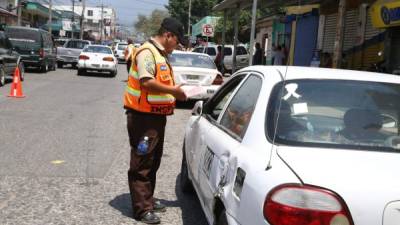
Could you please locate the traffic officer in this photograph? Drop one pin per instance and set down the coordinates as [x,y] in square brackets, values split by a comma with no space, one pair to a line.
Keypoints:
[149,97]
[128,53]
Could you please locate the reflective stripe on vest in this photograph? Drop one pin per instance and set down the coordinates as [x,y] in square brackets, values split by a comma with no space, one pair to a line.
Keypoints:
[138,98]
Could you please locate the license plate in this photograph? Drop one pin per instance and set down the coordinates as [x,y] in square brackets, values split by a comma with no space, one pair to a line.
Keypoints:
[210,91]
[96,65]
[192,77]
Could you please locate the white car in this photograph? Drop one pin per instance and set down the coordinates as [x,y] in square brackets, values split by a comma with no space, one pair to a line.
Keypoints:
[297,146]
[242,56]
[97,58]
[196,71]
[119,51]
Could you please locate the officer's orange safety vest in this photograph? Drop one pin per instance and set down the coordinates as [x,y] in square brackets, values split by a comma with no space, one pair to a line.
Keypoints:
[138,98]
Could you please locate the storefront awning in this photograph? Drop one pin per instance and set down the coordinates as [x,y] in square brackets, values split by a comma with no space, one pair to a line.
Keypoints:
[39,9]
[385,13]
[6,12]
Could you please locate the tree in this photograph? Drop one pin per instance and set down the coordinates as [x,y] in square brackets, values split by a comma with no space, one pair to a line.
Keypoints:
[149,25]
[179,9]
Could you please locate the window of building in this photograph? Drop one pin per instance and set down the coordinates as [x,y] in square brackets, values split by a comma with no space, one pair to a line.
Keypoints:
[90,12]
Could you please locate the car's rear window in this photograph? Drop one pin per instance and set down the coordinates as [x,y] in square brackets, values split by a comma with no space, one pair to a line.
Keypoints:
[98,49]
[23,37]
[335,113]
[122,47]
[191,60]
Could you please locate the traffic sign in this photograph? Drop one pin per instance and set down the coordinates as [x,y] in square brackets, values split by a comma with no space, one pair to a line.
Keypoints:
[208,30]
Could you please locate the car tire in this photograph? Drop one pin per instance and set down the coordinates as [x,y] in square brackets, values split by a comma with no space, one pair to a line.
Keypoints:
[81,72]
[60,65]
[113,73]
[2,76]
[44,68]
[21,71]
[185,182]
[222,220]
[73,65]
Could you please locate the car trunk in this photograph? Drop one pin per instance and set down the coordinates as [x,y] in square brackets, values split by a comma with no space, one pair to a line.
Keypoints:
[367,181]
[194,76]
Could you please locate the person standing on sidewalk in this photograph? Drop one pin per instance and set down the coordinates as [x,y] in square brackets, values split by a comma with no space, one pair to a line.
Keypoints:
[129,51]
[149,97]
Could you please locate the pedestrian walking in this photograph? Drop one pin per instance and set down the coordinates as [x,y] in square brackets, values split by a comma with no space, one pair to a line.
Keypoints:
[219,61]
[129,51]
[279,56]
[149,97]
[258,54]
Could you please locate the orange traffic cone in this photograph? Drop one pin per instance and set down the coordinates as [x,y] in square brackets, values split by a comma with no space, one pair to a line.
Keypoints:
[16,86]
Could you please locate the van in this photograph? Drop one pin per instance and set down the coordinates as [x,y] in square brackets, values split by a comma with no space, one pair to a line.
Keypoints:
[35,46]
[242,56]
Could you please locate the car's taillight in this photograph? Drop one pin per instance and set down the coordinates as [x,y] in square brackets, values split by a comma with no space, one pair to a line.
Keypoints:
[83,57]
[41,53]
[305,205]
[108,59]
[218,80]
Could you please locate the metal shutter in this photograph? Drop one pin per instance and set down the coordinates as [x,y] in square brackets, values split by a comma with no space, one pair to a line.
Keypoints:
[329,33]
[350,29]
[371,31]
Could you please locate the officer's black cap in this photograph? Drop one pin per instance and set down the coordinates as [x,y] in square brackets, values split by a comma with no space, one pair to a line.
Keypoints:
[174,26]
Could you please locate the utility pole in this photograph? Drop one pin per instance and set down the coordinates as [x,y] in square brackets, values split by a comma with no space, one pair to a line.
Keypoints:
[19,9]
[50,16]
[82,18]
[73,18]
[102,22]
[338,47]
[190,9]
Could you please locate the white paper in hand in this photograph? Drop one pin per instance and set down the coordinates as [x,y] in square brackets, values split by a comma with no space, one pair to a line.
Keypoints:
[191,91]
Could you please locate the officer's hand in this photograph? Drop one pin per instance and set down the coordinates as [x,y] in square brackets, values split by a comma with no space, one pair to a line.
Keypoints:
[179,93]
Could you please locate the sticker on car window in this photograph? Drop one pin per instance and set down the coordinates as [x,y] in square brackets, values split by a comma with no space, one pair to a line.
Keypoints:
[291,91]
[300,108]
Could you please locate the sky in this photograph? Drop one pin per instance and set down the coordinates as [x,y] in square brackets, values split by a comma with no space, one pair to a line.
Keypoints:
[127,10]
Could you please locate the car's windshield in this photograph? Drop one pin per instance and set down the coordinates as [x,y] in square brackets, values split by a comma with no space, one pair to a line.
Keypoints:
[191,60]
[354,114]
[122,47]
[98,49]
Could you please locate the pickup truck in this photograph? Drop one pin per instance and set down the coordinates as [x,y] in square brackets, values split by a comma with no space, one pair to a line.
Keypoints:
[69,53]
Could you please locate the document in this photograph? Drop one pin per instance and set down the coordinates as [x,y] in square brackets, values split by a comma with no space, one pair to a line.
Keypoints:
[191,91]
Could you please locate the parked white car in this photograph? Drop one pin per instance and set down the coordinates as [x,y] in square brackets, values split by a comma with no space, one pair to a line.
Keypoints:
[242,56]
[98,58]
[297,146]
[119,51]
[196,70]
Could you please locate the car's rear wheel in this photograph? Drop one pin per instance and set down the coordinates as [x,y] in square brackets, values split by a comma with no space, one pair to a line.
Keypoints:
[185,182]
[60,64]
[2,77]
[81,72]
[222,220]
[74,65]
[21,71]
[45,67]
[113,73]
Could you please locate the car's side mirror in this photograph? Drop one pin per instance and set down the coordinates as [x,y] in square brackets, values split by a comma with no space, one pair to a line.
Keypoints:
[198,108]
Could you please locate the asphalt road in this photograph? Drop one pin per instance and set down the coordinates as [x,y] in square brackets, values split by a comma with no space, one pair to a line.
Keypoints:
[64,154]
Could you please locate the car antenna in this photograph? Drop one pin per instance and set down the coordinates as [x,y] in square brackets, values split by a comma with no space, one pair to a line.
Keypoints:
[283,77]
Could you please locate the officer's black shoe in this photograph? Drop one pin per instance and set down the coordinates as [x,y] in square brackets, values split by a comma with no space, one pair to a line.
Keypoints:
[150,218]
[159,207]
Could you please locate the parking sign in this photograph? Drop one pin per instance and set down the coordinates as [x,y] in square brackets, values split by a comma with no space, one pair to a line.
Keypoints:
[208,30]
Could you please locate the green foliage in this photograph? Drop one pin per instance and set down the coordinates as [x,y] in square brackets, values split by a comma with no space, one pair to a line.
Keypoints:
[179,9]
[149,25]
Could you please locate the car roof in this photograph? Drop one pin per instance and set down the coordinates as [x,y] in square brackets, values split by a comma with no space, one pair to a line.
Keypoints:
[297,72]
[26,28]
[105,46]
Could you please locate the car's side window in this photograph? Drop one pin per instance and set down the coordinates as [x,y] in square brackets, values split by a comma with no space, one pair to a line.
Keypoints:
[215,105]
[227,51]
[211,51]
[237,115]
[241,50]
